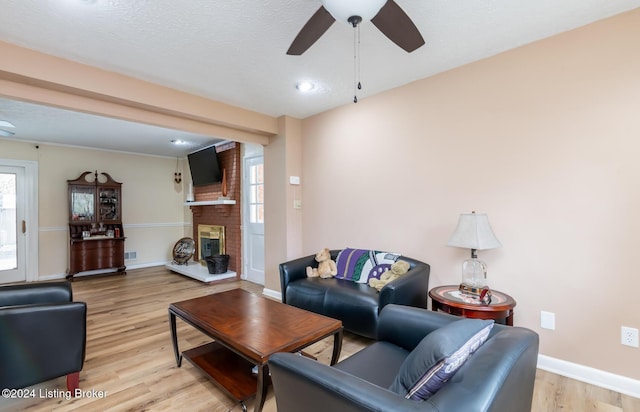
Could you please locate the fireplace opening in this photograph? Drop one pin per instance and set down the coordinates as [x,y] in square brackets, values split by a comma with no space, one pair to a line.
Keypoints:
[210,241]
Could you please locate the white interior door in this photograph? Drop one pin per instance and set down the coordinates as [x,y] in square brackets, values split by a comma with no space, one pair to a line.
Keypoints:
[254,219]
[12,225]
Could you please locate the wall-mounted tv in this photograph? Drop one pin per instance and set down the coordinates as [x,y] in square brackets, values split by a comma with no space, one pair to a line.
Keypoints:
[204,166]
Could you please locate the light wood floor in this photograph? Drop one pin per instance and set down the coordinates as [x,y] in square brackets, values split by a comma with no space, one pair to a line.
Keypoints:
[130,358]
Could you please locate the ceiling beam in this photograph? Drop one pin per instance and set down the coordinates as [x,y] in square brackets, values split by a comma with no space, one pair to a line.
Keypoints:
[31,76]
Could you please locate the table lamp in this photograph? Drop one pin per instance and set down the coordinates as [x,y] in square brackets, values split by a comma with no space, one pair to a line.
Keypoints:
[474,232]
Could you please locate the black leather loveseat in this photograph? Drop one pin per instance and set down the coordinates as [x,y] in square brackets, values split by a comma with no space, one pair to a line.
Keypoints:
[357,305]
[42,334]
[498,377]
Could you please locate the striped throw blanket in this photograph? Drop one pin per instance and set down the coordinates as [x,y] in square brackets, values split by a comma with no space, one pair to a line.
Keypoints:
[360,265]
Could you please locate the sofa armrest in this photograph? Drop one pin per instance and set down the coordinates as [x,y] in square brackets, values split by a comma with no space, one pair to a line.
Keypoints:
[49,337]
[297,269]
[293,270]
[499,376]
[31,293]
[410,289]
[406,326]
[303,384]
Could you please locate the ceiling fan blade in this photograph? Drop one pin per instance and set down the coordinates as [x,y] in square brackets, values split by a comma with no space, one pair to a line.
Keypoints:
[394,23]
[312,31]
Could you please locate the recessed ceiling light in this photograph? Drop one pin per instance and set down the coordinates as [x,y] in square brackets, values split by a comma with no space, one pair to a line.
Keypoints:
[6,123]
[305,86]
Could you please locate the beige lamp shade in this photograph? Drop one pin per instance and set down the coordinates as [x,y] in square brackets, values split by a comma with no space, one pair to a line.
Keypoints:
[474,232]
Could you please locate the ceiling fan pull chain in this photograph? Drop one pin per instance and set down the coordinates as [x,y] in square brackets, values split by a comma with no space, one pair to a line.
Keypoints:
[356,62]
[359,59]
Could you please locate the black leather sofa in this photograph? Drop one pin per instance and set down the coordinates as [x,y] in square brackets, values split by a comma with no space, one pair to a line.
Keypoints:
[498,377]
[356,305]
[42,334]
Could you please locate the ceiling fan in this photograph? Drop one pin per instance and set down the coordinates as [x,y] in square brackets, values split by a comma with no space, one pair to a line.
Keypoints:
[386,15]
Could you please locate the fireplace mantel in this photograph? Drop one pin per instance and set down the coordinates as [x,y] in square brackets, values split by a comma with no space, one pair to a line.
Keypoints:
[211,202]
[222,206]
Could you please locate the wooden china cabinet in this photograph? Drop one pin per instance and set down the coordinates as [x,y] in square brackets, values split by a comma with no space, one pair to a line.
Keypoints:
[95,224]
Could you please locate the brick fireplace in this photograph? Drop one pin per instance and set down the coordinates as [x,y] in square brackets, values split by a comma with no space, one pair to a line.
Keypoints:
[228,216]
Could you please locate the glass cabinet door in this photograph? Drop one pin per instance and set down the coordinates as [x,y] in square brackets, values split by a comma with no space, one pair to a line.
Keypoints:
[109,199]
[82,203]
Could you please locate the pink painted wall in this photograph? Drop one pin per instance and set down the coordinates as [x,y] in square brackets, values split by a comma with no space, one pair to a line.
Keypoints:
[545,139]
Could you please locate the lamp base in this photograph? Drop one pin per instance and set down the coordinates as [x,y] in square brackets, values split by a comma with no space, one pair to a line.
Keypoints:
[483,294]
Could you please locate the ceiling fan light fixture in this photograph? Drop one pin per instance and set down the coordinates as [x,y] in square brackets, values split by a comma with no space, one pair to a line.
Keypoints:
[341,10]
[305,86]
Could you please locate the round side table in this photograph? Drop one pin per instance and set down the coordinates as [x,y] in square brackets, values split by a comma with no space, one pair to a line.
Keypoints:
[448,299]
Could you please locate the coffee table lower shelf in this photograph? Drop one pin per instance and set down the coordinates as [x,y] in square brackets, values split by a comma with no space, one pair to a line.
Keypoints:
[240,342]
[228,370]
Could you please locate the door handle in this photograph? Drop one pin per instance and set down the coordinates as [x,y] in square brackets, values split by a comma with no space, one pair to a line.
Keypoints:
[24,226]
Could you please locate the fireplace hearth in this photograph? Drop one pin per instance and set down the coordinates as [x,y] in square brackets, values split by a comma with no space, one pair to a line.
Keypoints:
[211,241]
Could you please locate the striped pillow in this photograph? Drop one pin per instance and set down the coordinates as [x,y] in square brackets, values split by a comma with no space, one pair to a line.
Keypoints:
[438,356]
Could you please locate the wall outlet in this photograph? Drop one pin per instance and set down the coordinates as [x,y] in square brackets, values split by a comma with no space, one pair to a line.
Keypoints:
[297,204]
[547,320]
[629,336]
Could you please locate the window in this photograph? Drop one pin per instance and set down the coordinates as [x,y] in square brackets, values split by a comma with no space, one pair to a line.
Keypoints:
[256,193]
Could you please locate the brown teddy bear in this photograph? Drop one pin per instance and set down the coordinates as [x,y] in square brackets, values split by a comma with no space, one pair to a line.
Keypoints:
[326,267]
[398,269]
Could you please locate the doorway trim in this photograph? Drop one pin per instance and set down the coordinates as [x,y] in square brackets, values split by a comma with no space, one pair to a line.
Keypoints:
[31,214]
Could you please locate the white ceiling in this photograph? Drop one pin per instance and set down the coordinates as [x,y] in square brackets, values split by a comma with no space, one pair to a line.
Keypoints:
[234,52]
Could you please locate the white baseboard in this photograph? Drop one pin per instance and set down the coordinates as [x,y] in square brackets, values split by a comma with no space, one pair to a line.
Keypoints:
[272,294]
[101,271]
[590,375]
[56,276]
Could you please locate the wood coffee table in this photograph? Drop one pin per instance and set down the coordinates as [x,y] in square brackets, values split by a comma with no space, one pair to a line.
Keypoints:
[247,329]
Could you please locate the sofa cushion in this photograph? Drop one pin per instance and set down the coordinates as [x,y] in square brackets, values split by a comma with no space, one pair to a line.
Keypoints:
[308,294]
[356,304]
[359,265]
[378,363]
[438,356]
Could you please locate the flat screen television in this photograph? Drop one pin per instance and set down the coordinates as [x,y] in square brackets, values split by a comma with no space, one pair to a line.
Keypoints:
[204,167]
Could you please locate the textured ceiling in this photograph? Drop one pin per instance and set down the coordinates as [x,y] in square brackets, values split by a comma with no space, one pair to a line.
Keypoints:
[40,124]
[234,51]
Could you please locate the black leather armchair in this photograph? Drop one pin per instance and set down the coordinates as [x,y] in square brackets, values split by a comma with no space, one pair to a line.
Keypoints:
[357,305]
[42,334]
[498,377]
